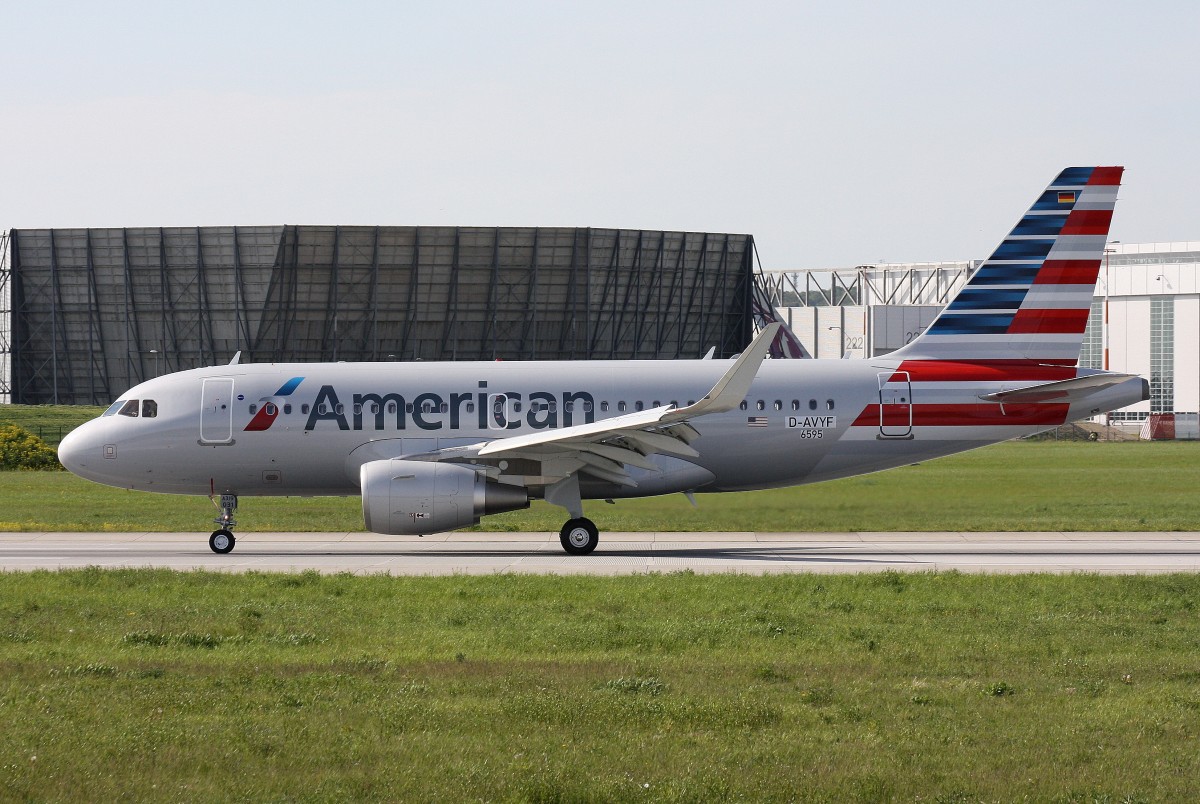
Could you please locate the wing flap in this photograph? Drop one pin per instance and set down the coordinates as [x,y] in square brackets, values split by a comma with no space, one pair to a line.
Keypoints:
[652,441]
[620,455]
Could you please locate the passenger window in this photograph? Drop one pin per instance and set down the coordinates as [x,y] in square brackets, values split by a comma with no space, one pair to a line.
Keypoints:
[375,408]
[322,408]
[516,407]
[287,409]
[638,406]
[828,404]
[304,408]
[743,406]
[657,404]
[149,408]
[357,408]
[761,405]
[587,407]
[569,407]
[778,404]
[270,408]
[812,404]
[444,407]
[795,404]
[470,407]
[620,407]
[340,408]
[253,409]
[391,407]
[130,409]
[603,407]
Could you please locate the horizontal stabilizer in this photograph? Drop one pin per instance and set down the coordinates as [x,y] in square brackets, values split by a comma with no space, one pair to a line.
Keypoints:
[1061,391]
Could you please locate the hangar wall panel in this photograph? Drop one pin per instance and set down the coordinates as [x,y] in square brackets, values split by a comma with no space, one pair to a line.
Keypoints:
[1129,343]
[98,310]
[1187,353]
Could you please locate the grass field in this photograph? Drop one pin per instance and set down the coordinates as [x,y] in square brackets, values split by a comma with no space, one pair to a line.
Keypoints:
[48,422]
[1017,486]
[152,685]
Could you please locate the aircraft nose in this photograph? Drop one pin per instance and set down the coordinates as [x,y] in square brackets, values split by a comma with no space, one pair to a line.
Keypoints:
[74,449]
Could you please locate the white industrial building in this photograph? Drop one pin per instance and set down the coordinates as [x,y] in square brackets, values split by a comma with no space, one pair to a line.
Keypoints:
[1151,290]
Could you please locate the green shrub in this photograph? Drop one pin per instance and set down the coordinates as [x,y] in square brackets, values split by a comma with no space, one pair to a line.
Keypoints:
[21,449]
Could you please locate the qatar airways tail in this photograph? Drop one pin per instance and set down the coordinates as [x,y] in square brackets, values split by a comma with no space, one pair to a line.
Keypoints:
[432,447]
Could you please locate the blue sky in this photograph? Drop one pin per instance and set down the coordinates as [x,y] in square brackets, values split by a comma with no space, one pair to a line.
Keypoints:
[836,133]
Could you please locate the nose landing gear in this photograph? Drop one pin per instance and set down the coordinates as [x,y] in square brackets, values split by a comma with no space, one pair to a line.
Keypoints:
[222,540]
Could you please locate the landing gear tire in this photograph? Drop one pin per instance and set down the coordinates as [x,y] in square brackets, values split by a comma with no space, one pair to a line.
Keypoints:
[221,541]
[579,536]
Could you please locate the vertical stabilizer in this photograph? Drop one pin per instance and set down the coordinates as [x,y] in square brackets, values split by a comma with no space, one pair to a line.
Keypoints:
[1030,300]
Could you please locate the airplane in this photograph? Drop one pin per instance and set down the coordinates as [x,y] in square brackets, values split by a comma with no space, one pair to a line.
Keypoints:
[435,446]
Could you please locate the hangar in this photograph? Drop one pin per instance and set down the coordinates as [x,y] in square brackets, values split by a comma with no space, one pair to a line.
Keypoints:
[86,313]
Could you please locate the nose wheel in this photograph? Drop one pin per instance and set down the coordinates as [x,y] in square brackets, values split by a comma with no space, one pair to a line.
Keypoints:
[222,540]
[579,536]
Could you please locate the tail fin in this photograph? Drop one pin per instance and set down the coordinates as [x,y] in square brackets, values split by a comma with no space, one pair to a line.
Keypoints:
[1030,300]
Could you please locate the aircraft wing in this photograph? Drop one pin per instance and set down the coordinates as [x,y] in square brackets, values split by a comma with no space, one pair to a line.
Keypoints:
[1060,391]
[605,447]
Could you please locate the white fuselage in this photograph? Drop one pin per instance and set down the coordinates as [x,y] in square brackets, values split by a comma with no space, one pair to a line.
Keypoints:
[803,421]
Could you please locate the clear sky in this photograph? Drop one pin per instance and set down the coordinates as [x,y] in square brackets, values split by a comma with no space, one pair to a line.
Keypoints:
[838,133]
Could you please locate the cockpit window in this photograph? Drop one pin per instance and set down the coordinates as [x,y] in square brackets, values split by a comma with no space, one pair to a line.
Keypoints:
[114,407]
[130,409]
[149,408]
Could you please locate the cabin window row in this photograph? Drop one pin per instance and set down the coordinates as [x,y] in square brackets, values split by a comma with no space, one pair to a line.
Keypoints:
[150,409]
[778,404]
[427,407]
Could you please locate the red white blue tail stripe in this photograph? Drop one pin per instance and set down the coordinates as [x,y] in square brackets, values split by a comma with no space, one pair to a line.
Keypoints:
[1018,323]
[1029,301]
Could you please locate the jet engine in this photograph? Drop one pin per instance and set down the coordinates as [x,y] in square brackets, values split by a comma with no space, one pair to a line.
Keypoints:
[402,497]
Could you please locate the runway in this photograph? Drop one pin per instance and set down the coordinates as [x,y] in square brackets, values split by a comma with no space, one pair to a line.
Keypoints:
[618,553]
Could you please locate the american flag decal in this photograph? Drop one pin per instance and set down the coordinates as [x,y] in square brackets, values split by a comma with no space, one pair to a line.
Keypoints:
[756,421]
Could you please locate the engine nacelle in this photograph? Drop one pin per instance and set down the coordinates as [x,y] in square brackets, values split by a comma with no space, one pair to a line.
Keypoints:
[416,497]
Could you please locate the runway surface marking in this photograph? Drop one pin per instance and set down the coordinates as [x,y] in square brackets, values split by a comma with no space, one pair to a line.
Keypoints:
[618,554]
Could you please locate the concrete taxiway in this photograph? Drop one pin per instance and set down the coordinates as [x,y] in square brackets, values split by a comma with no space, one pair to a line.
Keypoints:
[618,553]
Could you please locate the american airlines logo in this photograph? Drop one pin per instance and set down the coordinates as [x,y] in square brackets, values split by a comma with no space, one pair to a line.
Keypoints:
[480,409]
[269,406]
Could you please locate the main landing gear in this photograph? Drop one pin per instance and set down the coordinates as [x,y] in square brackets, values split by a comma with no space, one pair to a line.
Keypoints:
[579,536]
[222,540]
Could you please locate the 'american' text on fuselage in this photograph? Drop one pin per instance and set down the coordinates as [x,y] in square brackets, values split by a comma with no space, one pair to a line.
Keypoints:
[430,411]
